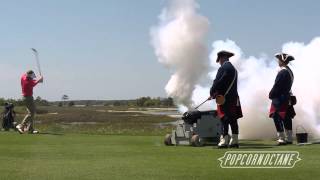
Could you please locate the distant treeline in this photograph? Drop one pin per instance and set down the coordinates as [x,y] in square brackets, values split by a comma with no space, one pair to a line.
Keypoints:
[140,102]
[157,102]
[18,102]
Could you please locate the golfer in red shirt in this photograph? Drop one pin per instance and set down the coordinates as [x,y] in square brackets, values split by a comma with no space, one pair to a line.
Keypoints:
[28,82]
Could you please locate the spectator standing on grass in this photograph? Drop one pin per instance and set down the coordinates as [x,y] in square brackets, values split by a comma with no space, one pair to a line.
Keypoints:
[28,82]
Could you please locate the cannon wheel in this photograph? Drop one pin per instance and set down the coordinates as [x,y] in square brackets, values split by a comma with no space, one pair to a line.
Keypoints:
[195,141]
[167,140]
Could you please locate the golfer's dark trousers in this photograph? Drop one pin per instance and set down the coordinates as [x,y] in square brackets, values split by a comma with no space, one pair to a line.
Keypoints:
[282,124]
[225,122]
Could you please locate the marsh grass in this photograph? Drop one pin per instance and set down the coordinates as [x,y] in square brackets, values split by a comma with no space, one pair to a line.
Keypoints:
[98,120]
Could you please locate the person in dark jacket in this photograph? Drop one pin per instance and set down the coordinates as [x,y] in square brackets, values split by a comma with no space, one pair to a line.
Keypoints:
[282,110]
[225,85]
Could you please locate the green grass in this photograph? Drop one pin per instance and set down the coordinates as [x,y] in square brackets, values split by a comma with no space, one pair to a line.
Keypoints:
[93,143]
[81,156]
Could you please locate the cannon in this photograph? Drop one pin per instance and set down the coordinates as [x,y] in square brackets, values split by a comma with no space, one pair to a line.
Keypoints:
[195,128]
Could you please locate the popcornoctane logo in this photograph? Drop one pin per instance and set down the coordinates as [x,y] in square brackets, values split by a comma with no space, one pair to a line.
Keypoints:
[259,159]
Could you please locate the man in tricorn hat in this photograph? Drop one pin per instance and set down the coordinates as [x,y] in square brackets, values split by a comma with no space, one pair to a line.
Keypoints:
[28,82]
[282,110]
[229,110]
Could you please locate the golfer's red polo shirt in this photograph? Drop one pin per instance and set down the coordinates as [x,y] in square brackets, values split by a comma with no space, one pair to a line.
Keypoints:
[27,85]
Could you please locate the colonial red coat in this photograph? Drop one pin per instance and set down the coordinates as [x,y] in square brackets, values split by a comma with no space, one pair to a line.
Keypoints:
[284,110]
[280,94]
[230,109]
[224,78]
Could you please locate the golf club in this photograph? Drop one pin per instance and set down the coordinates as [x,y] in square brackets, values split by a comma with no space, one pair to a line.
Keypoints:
[35,52]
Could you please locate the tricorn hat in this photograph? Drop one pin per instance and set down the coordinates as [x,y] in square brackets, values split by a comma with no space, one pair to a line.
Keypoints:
[224,53]
[284,57]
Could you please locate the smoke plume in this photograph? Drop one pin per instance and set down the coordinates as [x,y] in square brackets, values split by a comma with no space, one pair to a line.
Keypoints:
[256,78]
[179,42]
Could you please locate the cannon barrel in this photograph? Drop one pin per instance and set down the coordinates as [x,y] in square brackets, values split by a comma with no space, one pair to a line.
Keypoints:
[191,117]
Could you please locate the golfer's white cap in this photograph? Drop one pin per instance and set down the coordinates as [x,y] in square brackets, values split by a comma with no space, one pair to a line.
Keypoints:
[31,74]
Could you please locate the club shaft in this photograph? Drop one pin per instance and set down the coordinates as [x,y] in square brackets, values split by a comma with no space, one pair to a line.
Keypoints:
[37,60]
[38,64]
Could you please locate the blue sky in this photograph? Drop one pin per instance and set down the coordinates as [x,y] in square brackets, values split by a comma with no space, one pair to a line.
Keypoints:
[100,49]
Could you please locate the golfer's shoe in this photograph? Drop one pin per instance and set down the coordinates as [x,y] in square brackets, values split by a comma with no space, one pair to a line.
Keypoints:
[19,128]
[34,132]
[281,139]
[224,142]
[234,142]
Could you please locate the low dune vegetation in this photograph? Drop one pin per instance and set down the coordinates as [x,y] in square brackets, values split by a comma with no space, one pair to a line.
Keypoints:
[99,120]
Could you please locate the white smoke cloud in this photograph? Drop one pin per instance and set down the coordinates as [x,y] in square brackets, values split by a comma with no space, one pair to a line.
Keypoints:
[256,78]
[306,86]
[179,42]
